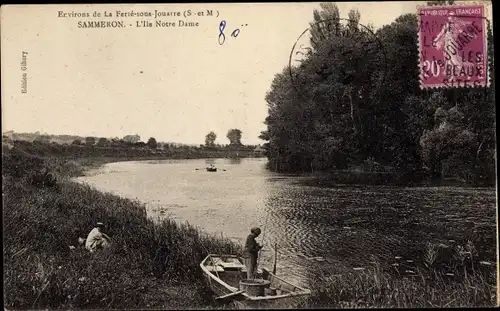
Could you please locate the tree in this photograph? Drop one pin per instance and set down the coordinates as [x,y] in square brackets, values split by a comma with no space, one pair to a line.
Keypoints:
[152,143]
[102,142]
[210,139]
[321,121]
[440,2]
[234,136]
[76,142]
[449,148]
[89,141]
[397,97]
[343,108]
[132,138]
[325,21]
[43,139]
[353,19]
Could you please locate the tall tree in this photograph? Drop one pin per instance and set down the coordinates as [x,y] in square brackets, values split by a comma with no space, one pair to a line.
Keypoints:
[325,22]
[353,20]
[440,2]
[102,142]
[89,141]
[210,139]
[152,143]
[234,136]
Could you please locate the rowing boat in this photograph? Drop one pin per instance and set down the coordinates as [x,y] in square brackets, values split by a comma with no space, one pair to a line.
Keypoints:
[211,169]
[226,277]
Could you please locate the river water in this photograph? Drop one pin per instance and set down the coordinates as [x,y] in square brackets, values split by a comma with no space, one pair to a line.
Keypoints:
[337,227]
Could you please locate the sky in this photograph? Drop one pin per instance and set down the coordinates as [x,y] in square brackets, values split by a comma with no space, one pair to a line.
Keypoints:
[174,84]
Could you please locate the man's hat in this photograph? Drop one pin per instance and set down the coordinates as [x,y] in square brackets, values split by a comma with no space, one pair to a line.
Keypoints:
[255,230]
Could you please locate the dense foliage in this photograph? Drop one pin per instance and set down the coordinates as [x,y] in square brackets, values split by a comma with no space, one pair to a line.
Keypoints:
[234,137]
[355,100]
[131,151]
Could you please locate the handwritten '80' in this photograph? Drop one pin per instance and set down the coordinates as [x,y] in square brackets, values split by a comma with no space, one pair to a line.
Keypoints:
[222,36]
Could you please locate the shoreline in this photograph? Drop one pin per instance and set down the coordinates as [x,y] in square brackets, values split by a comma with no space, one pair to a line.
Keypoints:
[94,157]
[317,179]
[151,263]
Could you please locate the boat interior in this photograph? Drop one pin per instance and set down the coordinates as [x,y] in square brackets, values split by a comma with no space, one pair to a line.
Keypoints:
[231,270]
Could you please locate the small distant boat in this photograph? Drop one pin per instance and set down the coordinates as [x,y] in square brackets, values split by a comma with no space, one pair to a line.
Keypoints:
[226,277]
[211,169]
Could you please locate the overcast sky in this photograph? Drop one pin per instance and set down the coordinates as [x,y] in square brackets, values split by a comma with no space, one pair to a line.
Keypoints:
[174,84]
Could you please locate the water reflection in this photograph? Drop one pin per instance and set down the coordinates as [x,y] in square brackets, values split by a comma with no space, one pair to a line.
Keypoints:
[234,161]
[337,228]
[210,161]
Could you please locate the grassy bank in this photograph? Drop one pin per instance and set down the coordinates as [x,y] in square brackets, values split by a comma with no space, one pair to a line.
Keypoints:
[150,265]
[454,278]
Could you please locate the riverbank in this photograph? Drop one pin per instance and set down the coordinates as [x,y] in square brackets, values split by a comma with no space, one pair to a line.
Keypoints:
[149,266]
[367,177]
[134,152]
[446,278]
[165,258]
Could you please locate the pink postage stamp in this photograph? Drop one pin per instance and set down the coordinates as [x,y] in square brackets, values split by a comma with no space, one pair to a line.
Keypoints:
[452,46]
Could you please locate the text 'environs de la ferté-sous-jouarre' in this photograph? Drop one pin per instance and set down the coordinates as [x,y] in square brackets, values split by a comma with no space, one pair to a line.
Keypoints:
[138,19]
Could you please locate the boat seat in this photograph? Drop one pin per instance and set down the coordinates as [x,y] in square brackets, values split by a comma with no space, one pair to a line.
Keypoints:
[215,269]
[231,265]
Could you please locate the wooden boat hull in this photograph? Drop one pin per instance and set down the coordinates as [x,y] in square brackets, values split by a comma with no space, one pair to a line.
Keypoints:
[211,170]
[224,281]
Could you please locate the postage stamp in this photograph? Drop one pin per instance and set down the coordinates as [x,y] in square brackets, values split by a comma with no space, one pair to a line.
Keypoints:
[453,46]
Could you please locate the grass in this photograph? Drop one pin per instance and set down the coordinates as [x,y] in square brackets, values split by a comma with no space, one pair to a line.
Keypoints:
[155,265]
[150,265]
[466,283]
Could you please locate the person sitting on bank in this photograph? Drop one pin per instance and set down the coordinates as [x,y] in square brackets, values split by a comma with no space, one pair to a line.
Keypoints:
[251,252]
[97,239]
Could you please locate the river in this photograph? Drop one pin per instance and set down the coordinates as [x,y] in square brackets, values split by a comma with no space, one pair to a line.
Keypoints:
[337,227]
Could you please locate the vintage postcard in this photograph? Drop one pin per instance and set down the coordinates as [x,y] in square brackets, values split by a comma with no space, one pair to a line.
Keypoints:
[249,155]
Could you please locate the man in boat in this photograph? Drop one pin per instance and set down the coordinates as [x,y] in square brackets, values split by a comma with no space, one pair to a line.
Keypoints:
[251,252]
[97,239]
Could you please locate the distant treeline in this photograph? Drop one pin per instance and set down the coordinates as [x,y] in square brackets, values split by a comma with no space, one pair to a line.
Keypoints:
[131,151]
[131,141]
[345,110]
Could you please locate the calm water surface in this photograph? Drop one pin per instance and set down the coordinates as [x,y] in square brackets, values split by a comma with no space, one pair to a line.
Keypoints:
[339,227]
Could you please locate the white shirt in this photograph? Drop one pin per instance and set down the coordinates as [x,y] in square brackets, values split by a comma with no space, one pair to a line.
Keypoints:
[93,238]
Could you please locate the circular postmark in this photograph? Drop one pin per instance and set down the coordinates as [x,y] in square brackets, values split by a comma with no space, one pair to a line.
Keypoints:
[334,51]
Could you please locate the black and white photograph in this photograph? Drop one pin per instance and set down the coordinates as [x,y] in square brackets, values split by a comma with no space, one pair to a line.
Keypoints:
[270,155]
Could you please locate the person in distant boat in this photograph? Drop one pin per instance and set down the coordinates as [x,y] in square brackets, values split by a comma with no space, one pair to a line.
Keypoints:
[251,252]
[97,239]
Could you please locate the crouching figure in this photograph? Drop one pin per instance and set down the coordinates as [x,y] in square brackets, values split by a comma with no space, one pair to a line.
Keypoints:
[97,239]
